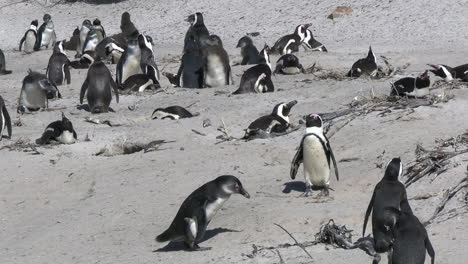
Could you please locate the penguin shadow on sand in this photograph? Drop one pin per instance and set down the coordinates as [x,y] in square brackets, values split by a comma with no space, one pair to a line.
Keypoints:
[86,108]
[300,187]
[178,246]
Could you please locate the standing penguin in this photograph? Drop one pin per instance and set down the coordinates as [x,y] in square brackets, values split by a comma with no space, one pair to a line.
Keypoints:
[58,69]
[98,85]
[388,193]
[126,25]
[61,131]
[199,208]
[311,43]
[74,41]
[3,70]
[412,86]
[289,64]
[315,152]
[258,78]
[91,41]
[365,66]
[197,29]
[5,120]
[46,34]
[276,122]
[216,67]
[448,73]
[249,52]
[290,43]
[129,63]
[101,33]
[35,92]
[28,41]
[85,28]
[147,57]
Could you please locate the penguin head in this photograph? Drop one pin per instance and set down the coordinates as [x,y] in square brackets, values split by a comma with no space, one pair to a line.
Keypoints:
[313,120]
[231,185]
[393,170]
[87,24]
[244,42]
[423,80]
[301,30]
[35,23]
[50,88]
[282,110]
[145,41]
[125,18]
[443,71]
[66,123]
[264,56]
[76,32]
[46,18]
[97,22]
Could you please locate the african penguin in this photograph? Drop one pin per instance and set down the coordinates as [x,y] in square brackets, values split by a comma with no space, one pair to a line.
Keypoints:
[448,73]
[3,70]
[249,52]
[84,61]
[171,112]
[257,79]
[365,66]
[35,92]
[129,63]
[74,41]
[127,26]
[289,64]
[84,30]
[98,88]
[311,43]
[91,41]
[61,131]
[101,33]
[141,82]
[58,69]
[216,67]
[197,29]
[290,43]
[199,208]
[28,41]
[412,86]
[147,58]
[45,34]
[5,120]
[114,51]
[388,193]
[315,152]
[276,122]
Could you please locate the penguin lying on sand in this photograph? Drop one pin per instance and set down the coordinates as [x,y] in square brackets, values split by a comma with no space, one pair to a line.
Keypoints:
[365,66]
[172,112]
[448,73]
[61,131]
[412,86]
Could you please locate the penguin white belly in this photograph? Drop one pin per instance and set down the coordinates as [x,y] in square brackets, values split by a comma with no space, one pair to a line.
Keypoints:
[131,67]
[419,92]
[46,36]
[91,45]
[213,207]
[2,125]
[66,137]
[291,70]
[316,168]
[215,76]
[28,44]
[144,86]
[259,88]
[162,114]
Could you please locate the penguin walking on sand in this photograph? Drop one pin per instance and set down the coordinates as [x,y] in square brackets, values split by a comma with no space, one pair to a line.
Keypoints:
[28,41]
[258,78]
[46,34]
[61,131]
[5,120]
[288,64]
[412,86]
[448,73]
[58,69]
[216,67]
[315,152]
[388,193]
[35,92]
[172,112]
[311,43]
[197,29]
[290,43]
[199,208]
[130,62]
[365,66]
[249,52]
[3,70]
[274,123]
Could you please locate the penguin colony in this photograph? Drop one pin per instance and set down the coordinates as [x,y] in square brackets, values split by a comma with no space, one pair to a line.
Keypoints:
[205,63]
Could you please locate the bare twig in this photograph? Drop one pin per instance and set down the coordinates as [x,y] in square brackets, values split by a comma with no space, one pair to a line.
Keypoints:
[295,240]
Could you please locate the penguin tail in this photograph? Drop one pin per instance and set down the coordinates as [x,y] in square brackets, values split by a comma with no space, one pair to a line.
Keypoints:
[165,236]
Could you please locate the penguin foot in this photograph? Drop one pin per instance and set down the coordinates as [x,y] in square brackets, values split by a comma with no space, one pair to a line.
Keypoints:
[308,192]
[325,192]
[196,247]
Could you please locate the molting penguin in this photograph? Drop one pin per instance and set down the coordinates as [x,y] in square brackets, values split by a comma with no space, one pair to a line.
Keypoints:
[85,28]
[147,58]
[197,29]
[199,208]
[58,69]
[141,82]
[216,67]
[5,120]
[388,193]
[249,52]
[28,41]
[46,34]
[315,152]
[311,43]
[365,66]
[74,41]
[99,85]
[289,64]
[61,131]
[172,112]
[276,122]
[35,92]
[448,73]
[290,43]
[129,63]
[411,86]
[3,70]
[258,78]
[101,33]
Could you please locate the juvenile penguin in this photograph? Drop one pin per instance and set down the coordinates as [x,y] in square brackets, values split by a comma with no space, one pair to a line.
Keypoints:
[46,34]
[315,152]
[249,52]
[3,70]
[388,193]
[276,122]
[126,25]
[289,64]
[84,30]
[448,73]
[74,41]
[216,67]
[91,41]
[290,43]
[257,79]
[412,86]
[101,33]
[141,82]
[98,88]
[365,66]
[35,92]
[61,131]
[58,69]
[410,239]
[129,63]
[311,43]
[147,58]
[197,29]
[199,208]
[171,112]
[28,41]
[5,120]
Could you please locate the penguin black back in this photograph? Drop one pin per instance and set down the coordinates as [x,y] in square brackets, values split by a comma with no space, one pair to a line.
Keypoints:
[257,79]
[171,112]
[3,70]
[365,66]
[197,29]
[5,120]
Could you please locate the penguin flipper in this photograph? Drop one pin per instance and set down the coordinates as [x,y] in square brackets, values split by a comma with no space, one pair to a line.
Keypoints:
[369,210]
[7,120]
[67,73]
[114,86]
[84,87]
[430,249]
[21,42]
[297,160]
[335,167]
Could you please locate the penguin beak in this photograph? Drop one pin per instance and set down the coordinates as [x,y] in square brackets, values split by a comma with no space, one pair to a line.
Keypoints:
[244,192]
[434,66]
[424,75]
[291,104]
